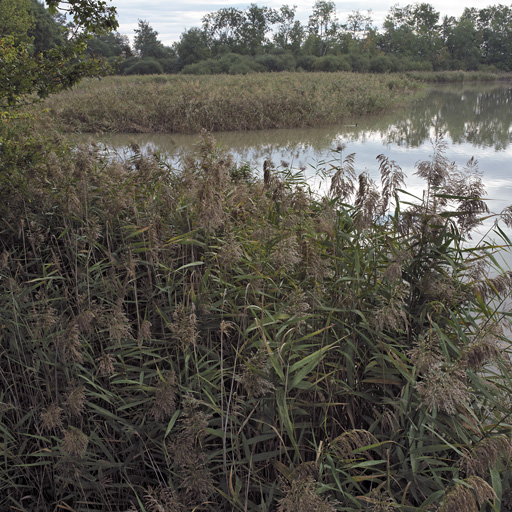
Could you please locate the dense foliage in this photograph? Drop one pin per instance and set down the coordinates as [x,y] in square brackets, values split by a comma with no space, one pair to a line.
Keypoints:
[184,104]
[414,37]
[38,56]
[202,339]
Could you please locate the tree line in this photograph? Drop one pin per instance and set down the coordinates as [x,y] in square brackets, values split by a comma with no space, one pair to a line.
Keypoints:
[254,39]
[414,37]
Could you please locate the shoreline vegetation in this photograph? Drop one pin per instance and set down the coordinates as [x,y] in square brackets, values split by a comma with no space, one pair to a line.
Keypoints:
[199,337]
[202,339]
[190,104]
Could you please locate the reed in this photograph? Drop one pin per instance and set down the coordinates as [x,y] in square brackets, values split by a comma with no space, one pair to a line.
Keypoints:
[188,104]
[199,339]
[458,76]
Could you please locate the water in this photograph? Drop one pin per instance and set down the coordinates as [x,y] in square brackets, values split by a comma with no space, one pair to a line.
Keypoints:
[475,119]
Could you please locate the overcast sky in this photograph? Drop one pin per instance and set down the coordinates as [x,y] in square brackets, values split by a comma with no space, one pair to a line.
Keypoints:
[171,18]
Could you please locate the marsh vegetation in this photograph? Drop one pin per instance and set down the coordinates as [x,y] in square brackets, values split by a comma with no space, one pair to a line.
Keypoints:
[183,104]
[203,339]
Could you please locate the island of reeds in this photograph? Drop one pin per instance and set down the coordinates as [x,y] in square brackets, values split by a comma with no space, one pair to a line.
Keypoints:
[185,104]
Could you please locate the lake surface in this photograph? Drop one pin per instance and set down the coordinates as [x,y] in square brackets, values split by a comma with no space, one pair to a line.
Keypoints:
[475,119]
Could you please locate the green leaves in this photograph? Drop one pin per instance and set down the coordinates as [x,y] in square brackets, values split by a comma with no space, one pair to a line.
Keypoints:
[162,345]
[24,73]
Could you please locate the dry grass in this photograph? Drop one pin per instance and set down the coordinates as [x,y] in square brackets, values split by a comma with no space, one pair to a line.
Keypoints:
[188,104]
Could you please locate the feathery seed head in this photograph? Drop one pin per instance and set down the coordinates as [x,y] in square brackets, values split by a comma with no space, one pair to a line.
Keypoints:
[51,417]
[74,442]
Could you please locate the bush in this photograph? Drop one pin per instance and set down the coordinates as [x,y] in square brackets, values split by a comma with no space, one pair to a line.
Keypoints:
[359,63]
[331,63]
[306,62]
[380,64]
[270,62]
[144,67]
[205,67]
[127,63]
[228,63]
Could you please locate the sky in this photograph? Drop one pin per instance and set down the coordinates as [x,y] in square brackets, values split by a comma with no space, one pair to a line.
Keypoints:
[171,18]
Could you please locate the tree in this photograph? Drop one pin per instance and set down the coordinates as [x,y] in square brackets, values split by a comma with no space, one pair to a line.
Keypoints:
[251,34]
[323,25]
[220,29]
[412,31]
[192,47]
[48,31]
[109,45]
[239,31]
[25,73]
[425,21]
[290,33]
[15,19]
[461,40]
[146,42]
[398,37]
[359,24]
[495,26]
[361,31]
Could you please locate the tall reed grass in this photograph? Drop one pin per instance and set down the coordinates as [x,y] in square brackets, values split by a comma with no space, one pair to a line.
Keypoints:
[201,339]
[188,104]
[492,75]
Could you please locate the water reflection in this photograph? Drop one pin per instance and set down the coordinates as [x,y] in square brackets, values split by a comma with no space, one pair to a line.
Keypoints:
[475,119]
[479,115]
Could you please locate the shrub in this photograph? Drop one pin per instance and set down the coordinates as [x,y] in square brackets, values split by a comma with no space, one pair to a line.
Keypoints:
[270,62]
[306,62]
[144,67]
[380,64]
[331,63]
[359,63]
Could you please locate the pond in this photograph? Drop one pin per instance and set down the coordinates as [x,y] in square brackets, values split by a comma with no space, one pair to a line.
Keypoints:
[475,120]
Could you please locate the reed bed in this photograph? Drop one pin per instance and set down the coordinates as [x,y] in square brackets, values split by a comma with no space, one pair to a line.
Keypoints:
[202,339]
[188,104]
[458,76]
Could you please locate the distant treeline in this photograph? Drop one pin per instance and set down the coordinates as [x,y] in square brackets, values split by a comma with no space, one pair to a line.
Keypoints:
[258,39]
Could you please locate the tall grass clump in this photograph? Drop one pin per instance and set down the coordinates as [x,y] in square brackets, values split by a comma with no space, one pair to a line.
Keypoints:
[200,339]
[189,104]
[490,75]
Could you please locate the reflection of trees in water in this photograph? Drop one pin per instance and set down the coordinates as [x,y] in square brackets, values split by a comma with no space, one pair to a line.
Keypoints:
[479,117]
[477,114]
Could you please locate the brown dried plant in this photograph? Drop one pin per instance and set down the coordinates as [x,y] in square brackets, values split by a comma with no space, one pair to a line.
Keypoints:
[342,181]
[74,442]
[184,326]
[392,179]
[366,202]
[300,496]
[162,499]
[468,495]
[254,377]
[51,417]
[187,453]
[485,454]
[351,440]
[164,401]
[443,388]
[75,399]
